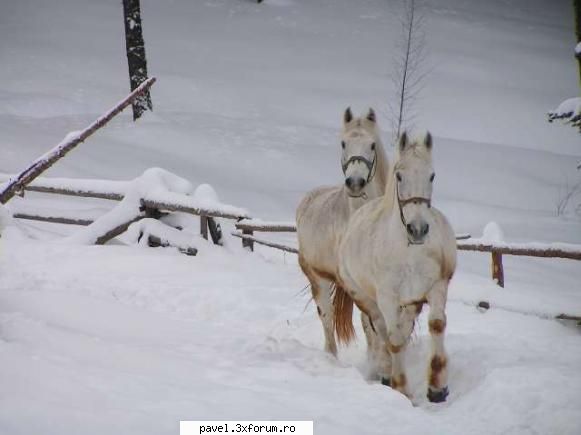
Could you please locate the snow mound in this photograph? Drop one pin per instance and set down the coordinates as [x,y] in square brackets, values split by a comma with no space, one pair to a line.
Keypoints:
[492,233]
[569,110]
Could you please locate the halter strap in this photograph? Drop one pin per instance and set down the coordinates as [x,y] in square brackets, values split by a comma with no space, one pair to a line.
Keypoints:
[371,166]
[403,202]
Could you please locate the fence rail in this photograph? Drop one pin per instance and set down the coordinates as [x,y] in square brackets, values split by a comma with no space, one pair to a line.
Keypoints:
[151,206]
[246,226]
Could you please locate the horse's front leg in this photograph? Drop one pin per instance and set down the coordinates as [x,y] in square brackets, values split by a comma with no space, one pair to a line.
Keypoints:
[395,340]
[438,370]
[377,354]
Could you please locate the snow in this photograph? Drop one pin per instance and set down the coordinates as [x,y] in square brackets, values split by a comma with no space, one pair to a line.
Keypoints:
[569,108]
[578,49]
[139,232]
[492,233]
[159,186]
[5,218]
[124,339]
[265,223]
[149,337]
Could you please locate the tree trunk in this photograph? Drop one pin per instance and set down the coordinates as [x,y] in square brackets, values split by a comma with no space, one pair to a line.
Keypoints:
[136,55]
[577,13]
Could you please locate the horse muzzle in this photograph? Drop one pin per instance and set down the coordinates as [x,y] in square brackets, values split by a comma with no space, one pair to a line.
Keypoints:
[417,232]
[355,186]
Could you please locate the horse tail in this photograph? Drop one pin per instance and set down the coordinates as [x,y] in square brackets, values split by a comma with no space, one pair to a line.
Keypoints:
[343,315]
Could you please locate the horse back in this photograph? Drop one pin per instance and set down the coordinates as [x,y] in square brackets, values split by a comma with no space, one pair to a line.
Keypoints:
[322,217]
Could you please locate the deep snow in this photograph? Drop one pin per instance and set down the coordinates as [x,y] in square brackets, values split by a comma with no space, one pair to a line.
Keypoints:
[124,339]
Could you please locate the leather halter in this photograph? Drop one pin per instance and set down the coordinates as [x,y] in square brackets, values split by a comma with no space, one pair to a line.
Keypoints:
[371,166]
[412,200]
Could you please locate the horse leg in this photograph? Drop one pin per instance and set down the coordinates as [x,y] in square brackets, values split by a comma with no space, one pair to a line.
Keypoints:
[324,301]
[438,371]
[396,339]
[377,354]
[322,295]
[322,290]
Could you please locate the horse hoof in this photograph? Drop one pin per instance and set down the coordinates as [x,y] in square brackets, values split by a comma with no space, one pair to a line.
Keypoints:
[386,381]
[437,396]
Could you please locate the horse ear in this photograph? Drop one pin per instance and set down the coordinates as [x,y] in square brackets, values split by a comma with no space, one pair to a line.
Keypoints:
[403,141]
[348,116]
[428,141]
[371,115]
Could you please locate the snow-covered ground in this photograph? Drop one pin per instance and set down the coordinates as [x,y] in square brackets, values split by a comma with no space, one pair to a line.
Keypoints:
[122,339]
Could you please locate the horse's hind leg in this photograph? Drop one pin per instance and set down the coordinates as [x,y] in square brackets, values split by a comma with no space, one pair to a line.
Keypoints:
[322,290]
[438,370]
[323,296]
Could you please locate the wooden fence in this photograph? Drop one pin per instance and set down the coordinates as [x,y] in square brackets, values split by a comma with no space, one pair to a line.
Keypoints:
[155,207]
[151,207]
[465,243]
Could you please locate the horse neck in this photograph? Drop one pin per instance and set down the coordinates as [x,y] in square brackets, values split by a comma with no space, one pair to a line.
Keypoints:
[390,206]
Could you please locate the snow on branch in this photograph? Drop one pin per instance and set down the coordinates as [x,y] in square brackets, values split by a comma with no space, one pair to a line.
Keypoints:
[569,112]
[70,141]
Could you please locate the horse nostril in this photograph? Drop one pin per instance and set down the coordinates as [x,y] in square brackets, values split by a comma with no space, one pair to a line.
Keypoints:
[425,229]
[349,182]
[361,183]
[410,229]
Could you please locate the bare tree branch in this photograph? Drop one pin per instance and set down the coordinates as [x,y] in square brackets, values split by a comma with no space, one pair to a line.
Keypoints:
[409,74]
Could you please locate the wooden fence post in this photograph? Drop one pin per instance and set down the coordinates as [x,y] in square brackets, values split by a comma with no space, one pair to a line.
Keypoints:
[497,268]
[215,231]
[248,243]
[204,226]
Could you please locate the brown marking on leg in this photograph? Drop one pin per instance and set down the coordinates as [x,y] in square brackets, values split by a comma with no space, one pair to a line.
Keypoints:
[393,348]
[419,305]
[436,366]
[398,382]
[437,326]
[319,311]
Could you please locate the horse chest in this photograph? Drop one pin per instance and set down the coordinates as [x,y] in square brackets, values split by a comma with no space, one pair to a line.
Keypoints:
[413,278]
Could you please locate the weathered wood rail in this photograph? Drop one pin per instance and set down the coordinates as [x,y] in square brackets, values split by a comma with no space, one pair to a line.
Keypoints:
[465,243]
[251,240]
[116,191]
[498,249]
[70,142]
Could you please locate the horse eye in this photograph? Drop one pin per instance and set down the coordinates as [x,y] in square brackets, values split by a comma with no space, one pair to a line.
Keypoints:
[343,144]
[432,177]
[373,146]
[398,176]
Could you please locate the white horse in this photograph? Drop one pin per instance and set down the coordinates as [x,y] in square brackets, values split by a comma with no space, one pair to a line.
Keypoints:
[399,252]
[323,214]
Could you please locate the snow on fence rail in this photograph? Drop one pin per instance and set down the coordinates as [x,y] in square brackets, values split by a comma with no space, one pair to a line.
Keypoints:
[154,201]
[152,195]
[70,142]
[465,242]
